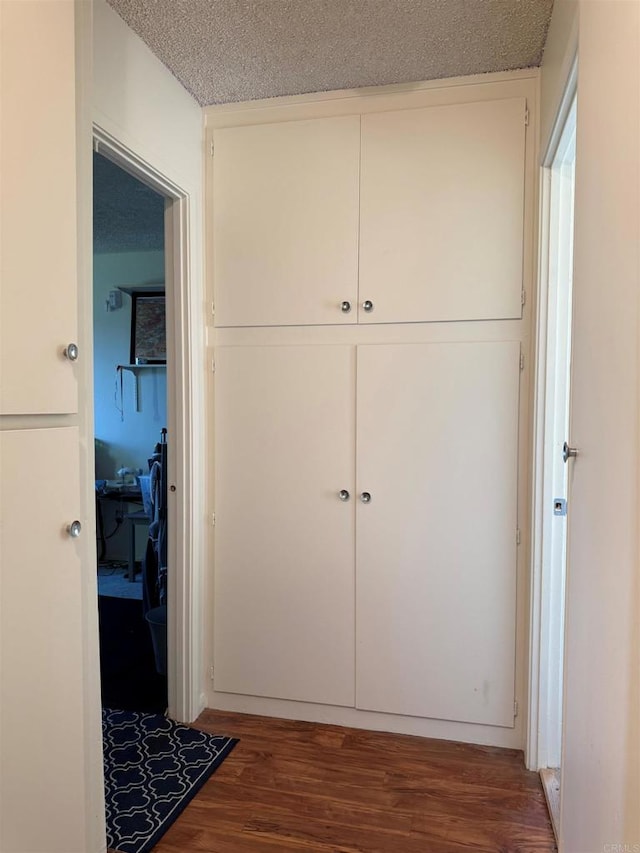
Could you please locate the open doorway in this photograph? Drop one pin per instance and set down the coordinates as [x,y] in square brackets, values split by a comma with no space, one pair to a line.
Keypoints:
[130,416]
[553,424]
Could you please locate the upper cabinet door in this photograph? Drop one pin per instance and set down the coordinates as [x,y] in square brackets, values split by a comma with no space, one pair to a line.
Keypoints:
[38,265]
[441,229]
[285,223]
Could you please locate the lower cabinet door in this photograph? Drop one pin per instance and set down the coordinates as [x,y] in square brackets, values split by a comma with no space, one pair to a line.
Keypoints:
[284,536]
[437,452]
[42,733]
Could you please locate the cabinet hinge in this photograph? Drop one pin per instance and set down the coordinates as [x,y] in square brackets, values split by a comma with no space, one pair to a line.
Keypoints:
[526,116]
[518,537]
[211,148]
[213,365]
[213,309]
[521,361]
[213,519]
[211,673]
[523,297]
[515,708]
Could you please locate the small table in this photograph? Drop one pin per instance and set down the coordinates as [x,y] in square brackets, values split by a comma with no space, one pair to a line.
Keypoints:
[133,519]
[126,494]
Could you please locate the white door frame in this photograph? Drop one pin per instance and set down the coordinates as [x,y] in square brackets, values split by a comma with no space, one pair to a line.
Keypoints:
[183,622]
[543,649]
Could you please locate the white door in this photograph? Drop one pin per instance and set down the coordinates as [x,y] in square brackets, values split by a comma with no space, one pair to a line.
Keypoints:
[38,285]
[42,767]
[285,223]
[437,451]
[284,576]
[442,205]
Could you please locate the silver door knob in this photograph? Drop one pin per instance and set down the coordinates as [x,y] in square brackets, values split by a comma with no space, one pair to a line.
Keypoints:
[568,452]
[71,352]
[74,529]
[368,305]
[345,307]
[365,497]
[344,495]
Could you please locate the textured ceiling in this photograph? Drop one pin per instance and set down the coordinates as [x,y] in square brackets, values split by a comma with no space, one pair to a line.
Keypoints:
[127,215]
[237,50]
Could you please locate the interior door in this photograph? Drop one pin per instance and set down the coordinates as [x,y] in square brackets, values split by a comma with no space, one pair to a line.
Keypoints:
[37,208]
[42,766]
[437,452]
[285,223]
[442,205]
[284,575]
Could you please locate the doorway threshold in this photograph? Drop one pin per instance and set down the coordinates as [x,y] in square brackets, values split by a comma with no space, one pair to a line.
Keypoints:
[551,785]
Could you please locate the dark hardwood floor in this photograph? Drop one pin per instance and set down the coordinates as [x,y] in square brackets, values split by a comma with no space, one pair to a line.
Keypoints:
[291,786]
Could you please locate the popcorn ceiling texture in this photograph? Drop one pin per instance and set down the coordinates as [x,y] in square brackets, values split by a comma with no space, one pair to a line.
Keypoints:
[240,50]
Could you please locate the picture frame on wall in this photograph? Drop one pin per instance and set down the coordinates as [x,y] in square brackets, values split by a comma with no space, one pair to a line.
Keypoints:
[148,328]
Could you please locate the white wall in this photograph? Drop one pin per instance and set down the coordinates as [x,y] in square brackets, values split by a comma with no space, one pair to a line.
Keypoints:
[138,102]
[601,759]
[123,438]
[128,438]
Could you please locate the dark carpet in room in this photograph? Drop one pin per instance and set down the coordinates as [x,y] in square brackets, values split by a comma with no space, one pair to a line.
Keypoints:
[127,666]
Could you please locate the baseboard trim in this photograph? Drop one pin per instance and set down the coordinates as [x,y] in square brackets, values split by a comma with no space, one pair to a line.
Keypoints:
[371,720]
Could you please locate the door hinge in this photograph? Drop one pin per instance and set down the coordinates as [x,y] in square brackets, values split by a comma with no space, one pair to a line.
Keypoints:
[518,537]
[213,519]
[515,707]
[213,365]
[523,297]
[213,309]
[526,116]
[211,148]
[211,673]
[521,361]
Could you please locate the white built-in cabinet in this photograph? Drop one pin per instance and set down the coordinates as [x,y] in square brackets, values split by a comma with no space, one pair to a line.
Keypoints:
[391,217]
[44,723]
[367,447]
[409,518]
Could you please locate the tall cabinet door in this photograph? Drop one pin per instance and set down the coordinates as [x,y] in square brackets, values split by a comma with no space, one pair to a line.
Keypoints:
[42,759]
[441,228]
[285,223]
[284,575]
[437,451]
[38,274]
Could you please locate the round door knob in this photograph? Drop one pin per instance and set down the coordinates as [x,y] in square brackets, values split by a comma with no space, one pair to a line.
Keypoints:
[568,452]
[71,352]
[344,495]
[345,307]
[368,306]
[74,529]
[365,497]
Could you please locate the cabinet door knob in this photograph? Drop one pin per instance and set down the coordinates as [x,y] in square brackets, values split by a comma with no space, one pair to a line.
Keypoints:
[71,352]
[345,307]
[568,452]
[74,529]
[365,497]
[344,495]
[368,305]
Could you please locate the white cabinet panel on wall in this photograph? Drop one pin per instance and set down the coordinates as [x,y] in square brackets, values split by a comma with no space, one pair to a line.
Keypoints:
[284,577]
[437,449]
[442,206]
[37,208]
[42,761]
[285,222]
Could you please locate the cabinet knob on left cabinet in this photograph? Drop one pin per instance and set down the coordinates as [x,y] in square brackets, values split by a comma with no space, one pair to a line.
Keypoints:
[71,352]
[344,495]
[345,307]
[74,529]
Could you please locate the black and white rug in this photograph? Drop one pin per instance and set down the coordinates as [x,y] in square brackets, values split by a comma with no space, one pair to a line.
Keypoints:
[153,768]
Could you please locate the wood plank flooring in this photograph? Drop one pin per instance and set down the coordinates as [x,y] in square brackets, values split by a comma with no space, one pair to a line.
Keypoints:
[292,786]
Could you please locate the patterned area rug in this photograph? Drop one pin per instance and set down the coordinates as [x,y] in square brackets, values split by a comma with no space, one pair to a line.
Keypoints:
[153,768]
